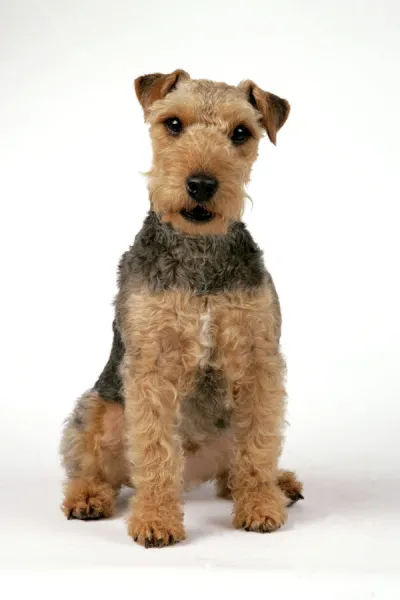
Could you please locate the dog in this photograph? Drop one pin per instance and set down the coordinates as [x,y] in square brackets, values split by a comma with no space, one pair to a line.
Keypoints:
[194,388]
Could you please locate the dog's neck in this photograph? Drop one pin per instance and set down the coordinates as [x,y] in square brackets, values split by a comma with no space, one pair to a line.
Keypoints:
[161,258]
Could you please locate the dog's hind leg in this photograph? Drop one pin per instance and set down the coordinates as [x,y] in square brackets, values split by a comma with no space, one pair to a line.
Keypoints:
[286,480]
[93,456]
[213,461]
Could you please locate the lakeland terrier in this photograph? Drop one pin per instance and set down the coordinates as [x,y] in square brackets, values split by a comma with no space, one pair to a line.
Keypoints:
[193,390]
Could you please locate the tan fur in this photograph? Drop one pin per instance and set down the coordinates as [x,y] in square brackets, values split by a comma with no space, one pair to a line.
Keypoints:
[289,484]
[206,146]
[274,110]
[150,88]
[209,112]
[99,455]
[208,462]
[87,498]
[169,336]
[202,463]
[250,358]
[165,329]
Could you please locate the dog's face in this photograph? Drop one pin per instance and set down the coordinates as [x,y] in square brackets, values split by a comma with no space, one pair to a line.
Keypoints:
[205,138]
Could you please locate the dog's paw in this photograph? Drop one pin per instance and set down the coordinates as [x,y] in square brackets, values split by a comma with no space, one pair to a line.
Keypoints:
[295,497]
[290,486]
[263,513]
[261,523]
[88,501]
[154,532]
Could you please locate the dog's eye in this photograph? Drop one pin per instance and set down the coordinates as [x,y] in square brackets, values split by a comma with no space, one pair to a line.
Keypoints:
[174,125]
[240,134]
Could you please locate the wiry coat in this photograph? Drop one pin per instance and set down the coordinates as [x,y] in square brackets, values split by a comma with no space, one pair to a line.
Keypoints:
[194,386]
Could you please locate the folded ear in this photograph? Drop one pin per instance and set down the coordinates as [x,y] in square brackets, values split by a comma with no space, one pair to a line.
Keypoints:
[274,110]
[150,88]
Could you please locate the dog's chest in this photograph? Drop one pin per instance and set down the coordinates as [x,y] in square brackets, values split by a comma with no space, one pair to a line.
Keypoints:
[206,340]
[205,411]
[181,299]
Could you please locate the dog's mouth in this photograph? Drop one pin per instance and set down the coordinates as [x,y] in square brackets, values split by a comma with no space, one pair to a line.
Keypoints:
[199,214]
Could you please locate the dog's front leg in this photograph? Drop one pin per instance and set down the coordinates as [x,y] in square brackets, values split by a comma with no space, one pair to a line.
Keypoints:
[152,405]
[252,362]
[156,373]
[258,401]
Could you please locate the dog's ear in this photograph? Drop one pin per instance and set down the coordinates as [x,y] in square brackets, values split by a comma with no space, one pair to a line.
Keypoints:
[274,110]
[150,88]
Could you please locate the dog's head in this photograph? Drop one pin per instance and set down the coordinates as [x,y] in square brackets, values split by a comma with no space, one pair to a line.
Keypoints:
[205,139]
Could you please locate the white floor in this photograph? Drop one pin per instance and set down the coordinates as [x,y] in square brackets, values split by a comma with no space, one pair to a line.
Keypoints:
[342,541]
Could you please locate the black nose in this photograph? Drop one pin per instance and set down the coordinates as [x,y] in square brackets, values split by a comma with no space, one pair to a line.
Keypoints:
[201,187]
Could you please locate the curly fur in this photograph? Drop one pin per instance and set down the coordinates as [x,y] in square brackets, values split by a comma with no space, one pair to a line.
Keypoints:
[194,386]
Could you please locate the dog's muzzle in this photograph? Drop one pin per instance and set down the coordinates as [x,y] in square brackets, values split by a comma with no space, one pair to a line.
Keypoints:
[201,187]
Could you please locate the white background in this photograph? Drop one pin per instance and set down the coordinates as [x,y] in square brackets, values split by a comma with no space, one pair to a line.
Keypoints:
[326,213]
